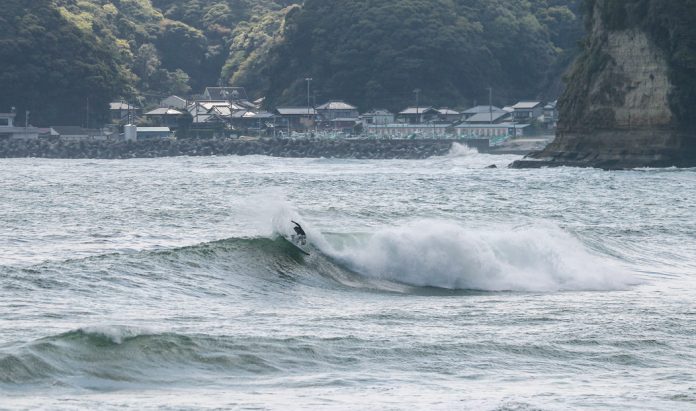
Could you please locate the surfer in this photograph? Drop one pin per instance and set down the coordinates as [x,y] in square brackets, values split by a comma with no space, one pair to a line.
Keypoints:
[301,235]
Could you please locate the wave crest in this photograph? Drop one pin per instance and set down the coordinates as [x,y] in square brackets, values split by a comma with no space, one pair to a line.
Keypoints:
[444,254]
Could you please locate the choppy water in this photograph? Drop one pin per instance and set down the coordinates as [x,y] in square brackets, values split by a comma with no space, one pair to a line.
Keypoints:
[435,284]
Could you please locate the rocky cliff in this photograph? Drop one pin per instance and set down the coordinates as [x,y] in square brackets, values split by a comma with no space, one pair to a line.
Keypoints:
[630,98]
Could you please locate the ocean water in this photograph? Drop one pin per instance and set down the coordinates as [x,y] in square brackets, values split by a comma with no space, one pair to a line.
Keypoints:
[435,284]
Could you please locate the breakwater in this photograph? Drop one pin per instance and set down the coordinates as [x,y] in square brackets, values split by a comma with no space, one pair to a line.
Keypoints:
[309,148]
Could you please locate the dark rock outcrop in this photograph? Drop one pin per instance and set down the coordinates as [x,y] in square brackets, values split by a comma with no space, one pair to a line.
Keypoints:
[629,101]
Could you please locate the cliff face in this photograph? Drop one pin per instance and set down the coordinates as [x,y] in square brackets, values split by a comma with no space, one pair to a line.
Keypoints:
[627,103]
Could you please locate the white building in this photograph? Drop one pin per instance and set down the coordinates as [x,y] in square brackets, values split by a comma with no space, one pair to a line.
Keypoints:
[409,130]
[8,131]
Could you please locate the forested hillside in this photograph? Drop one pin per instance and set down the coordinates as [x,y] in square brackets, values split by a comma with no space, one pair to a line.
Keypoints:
[376,52]
[61,58]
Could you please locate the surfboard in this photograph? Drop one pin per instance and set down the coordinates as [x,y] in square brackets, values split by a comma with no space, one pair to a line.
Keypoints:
[303,248]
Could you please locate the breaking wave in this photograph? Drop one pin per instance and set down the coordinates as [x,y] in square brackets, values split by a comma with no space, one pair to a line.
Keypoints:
[445,254]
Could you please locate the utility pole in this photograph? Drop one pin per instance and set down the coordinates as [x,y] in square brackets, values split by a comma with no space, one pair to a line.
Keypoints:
[87,125]
[490,103]
[309,116]
[417,92]
[26,120]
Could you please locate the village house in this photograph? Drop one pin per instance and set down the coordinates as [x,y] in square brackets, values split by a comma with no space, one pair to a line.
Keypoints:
[418,115]
[550,116]
[253,122]
[337,109]
[8,131]
[297,118]
[119,112]
[466,114]
[495,117]
[380,117]
[448,115]
[165,117]
[174,102]
[526,111]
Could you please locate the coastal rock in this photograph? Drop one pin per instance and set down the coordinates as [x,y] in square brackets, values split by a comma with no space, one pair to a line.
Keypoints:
[625,105]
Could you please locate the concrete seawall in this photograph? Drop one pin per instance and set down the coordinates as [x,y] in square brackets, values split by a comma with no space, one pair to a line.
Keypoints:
[358,149]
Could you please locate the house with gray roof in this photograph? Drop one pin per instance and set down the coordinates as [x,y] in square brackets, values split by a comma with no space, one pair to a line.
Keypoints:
[526,111]
[418,115]
[380,116]
[175,102]
[337,109]
[165,117]
[120,110]
[297,118]
[478,110]
[448,115]
[495,117]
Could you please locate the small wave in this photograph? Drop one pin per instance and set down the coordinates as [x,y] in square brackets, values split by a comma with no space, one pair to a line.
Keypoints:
[445,254]
[119,357]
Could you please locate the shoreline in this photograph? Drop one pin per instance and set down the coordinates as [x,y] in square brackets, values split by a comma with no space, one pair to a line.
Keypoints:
[349,149]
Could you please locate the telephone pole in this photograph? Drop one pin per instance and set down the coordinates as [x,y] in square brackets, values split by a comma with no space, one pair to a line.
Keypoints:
[417,93]
[490,103]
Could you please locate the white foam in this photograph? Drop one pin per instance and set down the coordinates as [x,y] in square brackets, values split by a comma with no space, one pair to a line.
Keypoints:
[446,254]
[462,150]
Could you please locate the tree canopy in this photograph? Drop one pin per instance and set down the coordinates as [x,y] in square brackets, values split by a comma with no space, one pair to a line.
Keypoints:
[376,52]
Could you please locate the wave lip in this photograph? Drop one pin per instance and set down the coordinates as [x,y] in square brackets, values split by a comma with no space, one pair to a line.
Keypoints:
[445,254]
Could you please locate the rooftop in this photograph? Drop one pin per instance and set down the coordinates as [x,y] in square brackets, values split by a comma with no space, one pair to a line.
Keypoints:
[416,110]
[120,105]
[526,105]
[480,109]
[163,111]
[486,117]
[336,105]
[296,111]
[153,130]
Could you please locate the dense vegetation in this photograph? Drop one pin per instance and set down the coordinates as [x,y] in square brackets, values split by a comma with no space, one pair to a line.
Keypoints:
[376,52]
[55,55]
[50,67]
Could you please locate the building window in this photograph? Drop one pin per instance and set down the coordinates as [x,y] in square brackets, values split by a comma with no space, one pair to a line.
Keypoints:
[4,121]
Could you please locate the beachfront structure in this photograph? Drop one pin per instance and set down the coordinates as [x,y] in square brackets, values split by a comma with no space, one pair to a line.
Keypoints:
[490,131]
[153,133]
[337,109]
[8,131]
[77,133]
[409,130]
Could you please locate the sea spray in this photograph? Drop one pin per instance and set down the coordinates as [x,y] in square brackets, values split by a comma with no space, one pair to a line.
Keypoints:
[446,254]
